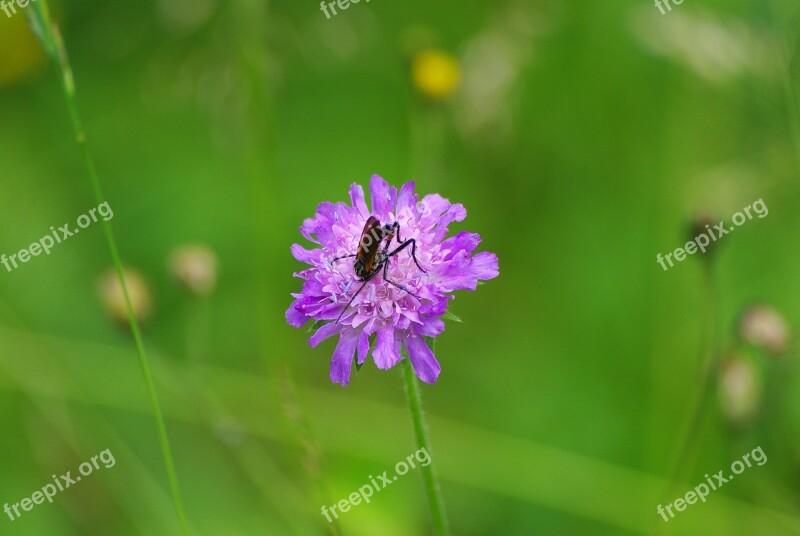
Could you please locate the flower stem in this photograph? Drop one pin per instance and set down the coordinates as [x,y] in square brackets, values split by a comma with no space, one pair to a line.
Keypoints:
[708,375]
[432,488]
[53,42]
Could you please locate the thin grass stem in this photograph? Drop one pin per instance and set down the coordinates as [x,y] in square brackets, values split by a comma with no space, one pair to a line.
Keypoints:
[51,39]
[709,372]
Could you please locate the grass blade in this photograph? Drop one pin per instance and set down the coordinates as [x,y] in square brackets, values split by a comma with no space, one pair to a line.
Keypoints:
[50,37]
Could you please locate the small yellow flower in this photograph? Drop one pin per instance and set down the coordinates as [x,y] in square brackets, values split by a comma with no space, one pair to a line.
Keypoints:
[436,74]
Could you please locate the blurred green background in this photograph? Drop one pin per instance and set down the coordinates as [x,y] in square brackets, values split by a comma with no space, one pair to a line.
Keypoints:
[583,139]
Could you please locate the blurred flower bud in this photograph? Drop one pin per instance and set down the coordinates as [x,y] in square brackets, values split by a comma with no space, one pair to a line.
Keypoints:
[764,328]
[739,390]
[701,232]
[435,74]
[195,266]
[113,299]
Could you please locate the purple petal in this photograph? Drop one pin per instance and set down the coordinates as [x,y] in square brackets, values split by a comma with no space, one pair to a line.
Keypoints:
[383,197]
[463,273]
[485,266]
[324,332]
[439,306]
[342,361]
[363,347]
[422,359]
[307,230]
[295,317]
[434,205]
[456,212]
[308,256]
[407,198]
[360,318]
[463,241]
[318,229]
[431,327]
[386,354]
[357,199]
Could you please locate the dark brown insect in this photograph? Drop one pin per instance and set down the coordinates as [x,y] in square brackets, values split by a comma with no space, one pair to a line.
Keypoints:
[371,257]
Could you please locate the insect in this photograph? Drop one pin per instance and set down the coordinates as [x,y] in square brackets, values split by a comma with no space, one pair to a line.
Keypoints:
[371,257]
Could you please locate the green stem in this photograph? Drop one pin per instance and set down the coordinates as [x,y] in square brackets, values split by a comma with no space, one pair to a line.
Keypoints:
[432,488]
[196,328]
[68,86]
[708,375]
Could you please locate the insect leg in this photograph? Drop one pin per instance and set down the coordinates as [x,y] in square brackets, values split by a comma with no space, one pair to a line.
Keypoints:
[403,246]
[367,280]
[398,285]
[342,257]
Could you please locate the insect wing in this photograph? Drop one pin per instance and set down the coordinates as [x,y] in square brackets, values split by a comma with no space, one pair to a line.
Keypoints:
[369,243]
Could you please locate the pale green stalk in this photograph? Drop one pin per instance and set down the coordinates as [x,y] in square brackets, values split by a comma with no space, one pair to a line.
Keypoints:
[50,37]
[432,488]
[789,43]
[709,372]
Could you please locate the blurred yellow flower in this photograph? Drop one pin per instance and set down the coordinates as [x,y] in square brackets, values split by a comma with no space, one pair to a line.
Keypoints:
[436,74]
[22,55]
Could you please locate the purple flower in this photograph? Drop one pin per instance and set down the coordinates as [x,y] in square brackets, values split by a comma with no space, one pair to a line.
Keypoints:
[395,317]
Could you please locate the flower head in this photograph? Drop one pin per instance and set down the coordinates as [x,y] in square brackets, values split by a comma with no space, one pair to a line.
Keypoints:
[409,306]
